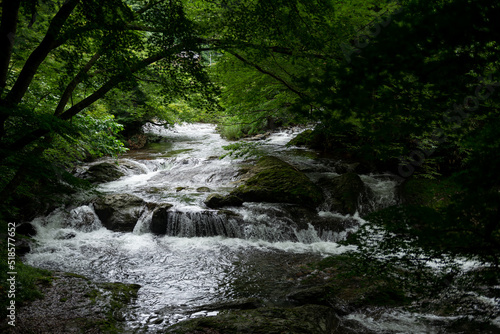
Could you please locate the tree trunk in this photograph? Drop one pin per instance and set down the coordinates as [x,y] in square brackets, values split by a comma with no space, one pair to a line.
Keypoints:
[8,28]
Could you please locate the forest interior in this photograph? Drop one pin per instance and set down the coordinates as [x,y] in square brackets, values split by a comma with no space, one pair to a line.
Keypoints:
[257,166]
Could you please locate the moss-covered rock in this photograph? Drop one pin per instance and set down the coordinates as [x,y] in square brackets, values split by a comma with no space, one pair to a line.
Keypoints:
[345,191]
[312,319]
[275,181]
[302,139]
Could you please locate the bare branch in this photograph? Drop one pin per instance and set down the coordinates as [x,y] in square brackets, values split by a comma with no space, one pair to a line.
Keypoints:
[74,83]
[272,75]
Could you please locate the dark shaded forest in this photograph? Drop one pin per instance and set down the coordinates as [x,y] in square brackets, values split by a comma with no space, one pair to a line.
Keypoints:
[411,88]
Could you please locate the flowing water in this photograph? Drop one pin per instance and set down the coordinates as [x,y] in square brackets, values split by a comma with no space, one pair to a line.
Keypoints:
[206,256]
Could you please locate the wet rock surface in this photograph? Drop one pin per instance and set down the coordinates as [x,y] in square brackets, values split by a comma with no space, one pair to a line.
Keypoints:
[26,229]
[160,218]
[216,201]
[312,319]
[119,212]
[103,172]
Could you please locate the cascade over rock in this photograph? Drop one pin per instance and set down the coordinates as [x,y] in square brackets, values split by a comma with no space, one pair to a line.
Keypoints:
[119,212]
[345,191]
[275,181]
[188,252]
[193,224]
[160,218]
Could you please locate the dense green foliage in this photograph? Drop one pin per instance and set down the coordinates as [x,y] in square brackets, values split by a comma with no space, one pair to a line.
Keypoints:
[60,60]
[270,75]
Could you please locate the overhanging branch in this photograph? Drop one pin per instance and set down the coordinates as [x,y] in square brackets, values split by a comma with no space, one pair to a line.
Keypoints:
[272,75]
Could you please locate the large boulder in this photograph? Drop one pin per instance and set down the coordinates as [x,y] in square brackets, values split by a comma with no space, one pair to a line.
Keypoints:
[216,201]
[103,172]
[345,192]
[26,229]
[275,181]
[119,212]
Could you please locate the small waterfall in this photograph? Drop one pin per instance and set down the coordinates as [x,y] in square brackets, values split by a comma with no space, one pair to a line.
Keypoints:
[144,222]
[253,222]
[83,218]
[384,191]
[198,224]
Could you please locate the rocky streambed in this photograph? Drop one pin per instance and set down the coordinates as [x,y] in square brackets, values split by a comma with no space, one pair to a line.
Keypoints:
[200,244]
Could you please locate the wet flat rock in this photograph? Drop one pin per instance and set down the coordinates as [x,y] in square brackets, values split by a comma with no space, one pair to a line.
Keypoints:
[313,319]
[74,304]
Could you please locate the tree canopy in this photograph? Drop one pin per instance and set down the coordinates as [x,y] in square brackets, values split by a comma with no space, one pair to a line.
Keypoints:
[62,58]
